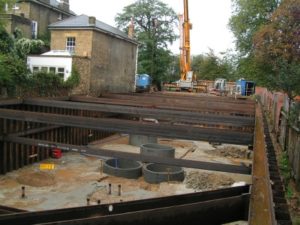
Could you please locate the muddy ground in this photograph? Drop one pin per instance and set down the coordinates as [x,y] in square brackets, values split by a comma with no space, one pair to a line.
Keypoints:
[77,177]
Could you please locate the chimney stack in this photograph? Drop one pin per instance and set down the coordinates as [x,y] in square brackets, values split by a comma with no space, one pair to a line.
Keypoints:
[131,28]
[92,21]
[64,4]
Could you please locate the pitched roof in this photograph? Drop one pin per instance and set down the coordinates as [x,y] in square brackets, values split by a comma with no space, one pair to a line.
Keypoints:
[53,4]
[82,22]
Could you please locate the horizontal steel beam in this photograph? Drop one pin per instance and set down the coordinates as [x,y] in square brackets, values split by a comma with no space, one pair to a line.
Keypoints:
[9,210]
[133,127]
[7,102]
[209,199]
[212,107]
[179,98]
[95,151]
[160,114]
[217,211]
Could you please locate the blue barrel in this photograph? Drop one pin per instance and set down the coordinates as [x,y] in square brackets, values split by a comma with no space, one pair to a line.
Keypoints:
[143,82]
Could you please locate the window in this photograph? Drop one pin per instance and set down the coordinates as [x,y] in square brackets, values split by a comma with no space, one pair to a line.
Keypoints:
[71,44]
[60,16]
[44,69]
[61,72]
[52,70]
[34,29]
[35,69]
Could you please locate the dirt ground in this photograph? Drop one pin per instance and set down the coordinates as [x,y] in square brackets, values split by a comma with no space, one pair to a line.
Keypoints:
[77,177]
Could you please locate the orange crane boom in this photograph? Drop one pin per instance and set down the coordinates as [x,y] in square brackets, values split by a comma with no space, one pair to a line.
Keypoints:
[185,47]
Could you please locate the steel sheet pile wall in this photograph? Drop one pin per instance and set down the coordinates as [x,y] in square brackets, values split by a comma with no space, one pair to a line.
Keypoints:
[14,156]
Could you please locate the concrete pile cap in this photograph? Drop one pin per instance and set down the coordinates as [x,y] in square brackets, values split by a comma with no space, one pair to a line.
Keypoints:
[123,168]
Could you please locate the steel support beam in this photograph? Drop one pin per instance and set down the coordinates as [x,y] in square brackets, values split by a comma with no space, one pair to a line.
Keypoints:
[94,151]
[176,98]
[261,203]
[211,107]
[211,207]
[133,127]
[160,114]
[7,102]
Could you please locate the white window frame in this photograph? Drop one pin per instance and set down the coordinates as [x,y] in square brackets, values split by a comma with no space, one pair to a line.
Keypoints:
[61,73]
[34,29]
[71,44]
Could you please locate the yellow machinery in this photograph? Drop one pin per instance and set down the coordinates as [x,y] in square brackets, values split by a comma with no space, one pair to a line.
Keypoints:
[187,79]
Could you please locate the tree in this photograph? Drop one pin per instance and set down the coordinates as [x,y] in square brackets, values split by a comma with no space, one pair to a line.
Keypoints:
[153,25]
[277,44]
[25,46]
[248,17]
[13,72]
[6,42]
[211,67]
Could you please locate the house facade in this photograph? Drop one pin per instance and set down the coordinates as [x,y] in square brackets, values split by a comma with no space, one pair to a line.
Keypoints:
[104,56]
[32,17]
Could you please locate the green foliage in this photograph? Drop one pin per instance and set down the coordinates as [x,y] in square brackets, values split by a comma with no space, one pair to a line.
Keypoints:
[43,84]
[289,192]
[26,46]
[211,67]
[73,80]
[13,72]
[6,42]
[248,17]
[246,20]
[277,45]
[153,25]
[46,38]
[285,168]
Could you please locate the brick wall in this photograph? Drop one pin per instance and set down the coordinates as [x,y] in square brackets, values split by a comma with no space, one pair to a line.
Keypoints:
[82,64]
[83,41]
[12,22]
[113,65]
[112,61]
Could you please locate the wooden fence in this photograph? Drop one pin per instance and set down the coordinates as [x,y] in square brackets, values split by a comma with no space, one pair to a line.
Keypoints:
[276,105]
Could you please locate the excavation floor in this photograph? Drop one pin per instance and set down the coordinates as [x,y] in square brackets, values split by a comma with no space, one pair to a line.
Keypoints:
[77,177]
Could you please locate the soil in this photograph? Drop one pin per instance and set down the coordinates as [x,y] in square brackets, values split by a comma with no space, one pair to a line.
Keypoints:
[77,177]
[231,152]
[207,181]
[36,179]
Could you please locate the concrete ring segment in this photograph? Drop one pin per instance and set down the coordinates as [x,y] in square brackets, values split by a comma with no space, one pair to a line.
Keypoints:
[152,149]
[157,173]
[123,168]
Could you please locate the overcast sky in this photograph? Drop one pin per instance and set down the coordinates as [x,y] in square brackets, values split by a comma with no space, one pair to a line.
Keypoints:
[209,19]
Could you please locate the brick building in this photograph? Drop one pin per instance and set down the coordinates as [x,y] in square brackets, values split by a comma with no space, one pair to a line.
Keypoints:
[32,17]
[105,57]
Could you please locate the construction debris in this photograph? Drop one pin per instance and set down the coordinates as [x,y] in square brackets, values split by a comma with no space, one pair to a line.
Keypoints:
[207,181]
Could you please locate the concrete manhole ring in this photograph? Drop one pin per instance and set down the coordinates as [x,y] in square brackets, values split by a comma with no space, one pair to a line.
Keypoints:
[157,173]
[123,168]
[152,149]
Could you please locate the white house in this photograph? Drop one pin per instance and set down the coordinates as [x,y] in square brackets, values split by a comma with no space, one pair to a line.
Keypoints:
[56,61]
